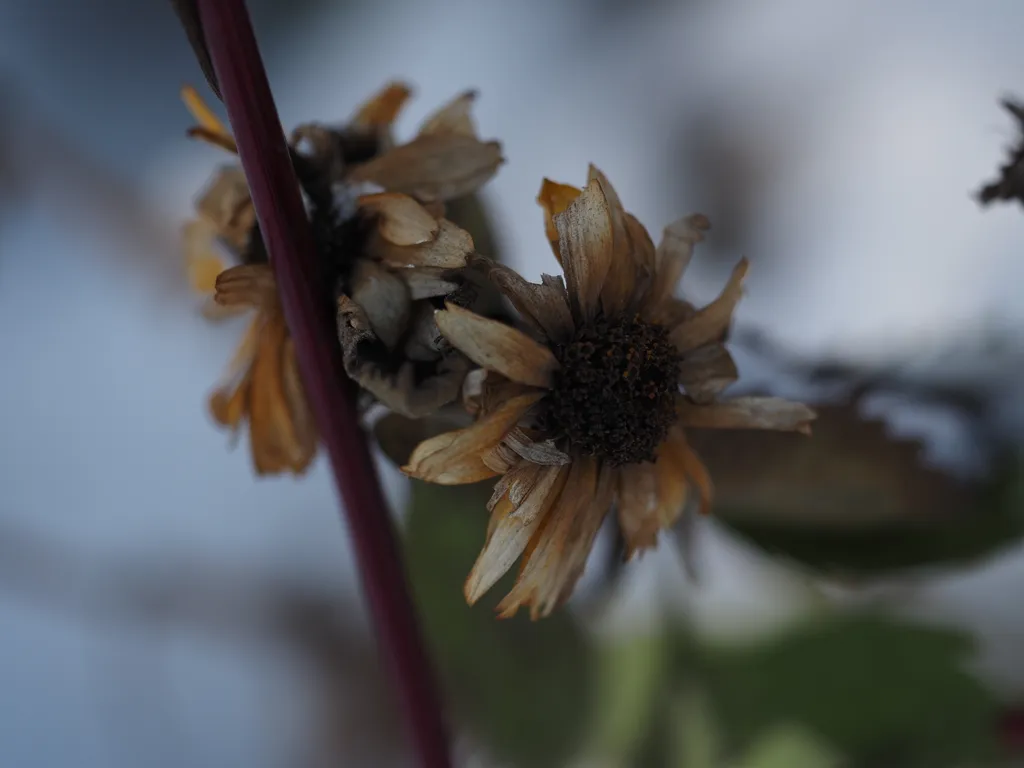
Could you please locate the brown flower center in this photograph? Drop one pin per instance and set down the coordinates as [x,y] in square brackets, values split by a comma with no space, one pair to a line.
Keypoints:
[614,395]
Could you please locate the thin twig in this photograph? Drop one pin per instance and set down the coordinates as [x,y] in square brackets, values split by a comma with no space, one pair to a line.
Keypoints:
[264,155]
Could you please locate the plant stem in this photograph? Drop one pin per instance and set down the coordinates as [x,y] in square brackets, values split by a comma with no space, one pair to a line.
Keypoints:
[282,218]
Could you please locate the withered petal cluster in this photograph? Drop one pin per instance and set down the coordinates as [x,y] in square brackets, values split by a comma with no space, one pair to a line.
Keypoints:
[580,405]
[585,409]
[386,250]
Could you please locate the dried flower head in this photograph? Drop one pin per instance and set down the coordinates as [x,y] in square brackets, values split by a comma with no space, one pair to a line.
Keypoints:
[385,251]
[583,412]
[1010,184]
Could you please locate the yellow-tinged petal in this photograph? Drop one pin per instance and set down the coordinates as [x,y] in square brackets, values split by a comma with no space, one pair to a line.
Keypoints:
[401,220]
[250,285]
[555,198]
[456,458]
[512,525]
[585,242]
[202,262]
[697,474]
[497,347]
[453,117]
[637,505]
[212,129]
[449,250]
[747,413]
[706,371]
[675,252]
[558,551]
[544,306]
[621,279]
[381,110]
[712,322]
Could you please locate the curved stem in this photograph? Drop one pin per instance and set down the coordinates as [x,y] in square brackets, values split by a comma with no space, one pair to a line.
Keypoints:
[264,154]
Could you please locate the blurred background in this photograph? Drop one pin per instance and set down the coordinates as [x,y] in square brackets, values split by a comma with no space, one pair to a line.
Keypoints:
[856,598]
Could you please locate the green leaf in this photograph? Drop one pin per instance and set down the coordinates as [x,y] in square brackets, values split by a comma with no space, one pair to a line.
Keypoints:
[881,691]
[524,687]
[789,746]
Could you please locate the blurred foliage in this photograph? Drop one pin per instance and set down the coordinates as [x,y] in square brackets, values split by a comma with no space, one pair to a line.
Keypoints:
[522,686]
[877,691]
[854,501]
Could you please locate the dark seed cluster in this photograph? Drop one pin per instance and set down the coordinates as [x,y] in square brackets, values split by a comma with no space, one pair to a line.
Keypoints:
[614,395]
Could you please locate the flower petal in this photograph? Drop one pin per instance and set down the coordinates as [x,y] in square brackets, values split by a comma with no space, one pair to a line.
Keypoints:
[448,250]
[585,242]
[250,285]
[555,198]
[384,298]
[497,347]
[427,282]
[400,219]
[212,128]
[512,525]
[455,458]
[535,451]
[706,371]
[202,262]
[434,167]
[302,419]
[637,504]
[453,117]
[674,253]
[558,551]
[747,413]
[381,110]
[712,322]
[621,280]
[545,307]
[225,202]
[697,474]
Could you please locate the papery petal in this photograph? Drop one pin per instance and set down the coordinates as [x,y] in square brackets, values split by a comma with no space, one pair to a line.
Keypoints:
[621,279]
[449,250]
[427,282]
[747,413]
[303,423]
[400,219]
[706,371]
[225,203]
[434,167]
[585,242]
[202,262]
[250,285]
[381,110]
[535,451]
[544,306]
[455,458]
[555,198]
[212,128]
[384,298]
[511,527]
[453,118]
[712,322]
[559,549]
[637,506]
[497,347]
[674,253]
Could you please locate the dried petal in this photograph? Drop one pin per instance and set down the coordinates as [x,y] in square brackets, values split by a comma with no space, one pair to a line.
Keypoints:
[511,528]
[712,322]
[545,307]
[384,298]
[383,108]
[202,262]
[535,451]
[585,242]
[674,253]
[455,458]
[559,548]
[555,198]
[747,413]
[706,371]
[401,220]
[226,204]
[621,280]
[250,285]
[427,282]
[453,118]
[449,250]
[496,346]
[434,167]
[212,128]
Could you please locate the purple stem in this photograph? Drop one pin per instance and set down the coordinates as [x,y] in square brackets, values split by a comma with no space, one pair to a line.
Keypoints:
[285,228]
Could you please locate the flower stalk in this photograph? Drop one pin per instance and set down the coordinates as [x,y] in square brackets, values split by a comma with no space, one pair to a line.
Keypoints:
[222,35]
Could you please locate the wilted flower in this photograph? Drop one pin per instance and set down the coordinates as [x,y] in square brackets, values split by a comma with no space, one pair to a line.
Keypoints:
[583,412]
[385,250]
